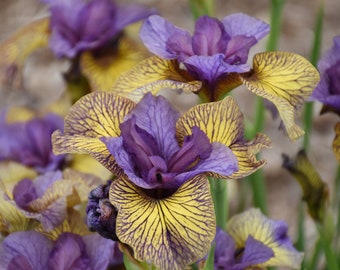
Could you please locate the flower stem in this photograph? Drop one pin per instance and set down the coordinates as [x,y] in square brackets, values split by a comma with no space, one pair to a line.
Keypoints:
[315,54]
[201,7]
[219,193]
[275,24]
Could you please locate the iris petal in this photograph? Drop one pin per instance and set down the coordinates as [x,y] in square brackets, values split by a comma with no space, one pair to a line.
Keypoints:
[152,75]
[271,233]
[223,123]
[102,71]
[169,233]
[285,79]
[94,116]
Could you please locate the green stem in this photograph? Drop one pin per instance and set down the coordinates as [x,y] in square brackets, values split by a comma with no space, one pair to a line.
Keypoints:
[275,24]
[219,193]
[316,256]
[315,54]
[326,240]
[201,7]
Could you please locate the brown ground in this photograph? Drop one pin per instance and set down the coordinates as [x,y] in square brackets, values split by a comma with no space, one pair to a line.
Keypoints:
[297,34]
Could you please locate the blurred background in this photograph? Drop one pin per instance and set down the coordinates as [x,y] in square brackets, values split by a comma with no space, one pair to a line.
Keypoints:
[44,84]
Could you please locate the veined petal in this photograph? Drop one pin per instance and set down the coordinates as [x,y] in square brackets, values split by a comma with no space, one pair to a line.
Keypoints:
[96,115]
[102,71]
[271,233]
[286,79]
[15,50]
[152,75]
[336,142]
[222,121]
[168,233]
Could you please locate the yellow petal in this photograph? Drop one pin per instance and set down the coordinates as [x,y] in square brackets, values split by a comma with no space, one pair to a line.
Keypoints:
[12,219]
[96,115]
[11,173]
[104,69]
[152,75]
[169,233]
[15,50]
[336,142]
[222,122]
[286,79]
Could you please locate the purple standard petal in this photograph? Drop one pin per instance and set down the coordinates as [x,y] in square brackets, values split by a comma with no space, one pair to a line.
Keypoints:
[25,251]
[224,250]
[209,37]
[69,253]
[210,68]
[240,24]
[164,39]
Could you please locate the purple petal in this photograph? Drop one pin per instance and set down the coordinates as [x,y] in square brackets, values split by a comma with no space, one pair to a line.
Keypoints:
[255,252]
[127,14]
[25,251]
[238,49]
[221,161]
[328,89]
[69,253]
[164,39]
[210,37]
[43,182]
[224,250]
[102,252]
[210,68]
[158,117]
[24,192]
[240,24]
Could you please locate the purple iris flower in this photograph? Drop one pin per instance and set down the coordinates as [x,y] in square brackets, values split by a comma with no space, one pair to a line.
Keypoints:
[150,155]
[29,142]
[216,48]
[77,25]
[328,89]
[31,250]
[228,257]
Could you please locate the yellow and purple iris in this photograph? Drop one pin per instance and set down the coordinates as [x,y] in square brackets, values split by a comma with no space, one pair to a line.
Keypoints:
[253,241]
[162,196]
[213,61]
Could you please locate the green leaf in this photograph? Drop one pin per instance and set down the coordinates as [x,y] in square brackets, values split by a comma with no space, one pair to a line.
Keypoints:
[209,263]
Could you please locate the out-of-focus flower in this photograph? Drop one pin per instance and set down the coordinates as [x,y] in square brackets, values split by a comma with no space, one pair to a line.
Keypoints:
[212,62]
[44,199]
[78,26]
[328,89]
[160,158]
[29,142]
[253,241]
[31,250]
[315,190]
[92,34]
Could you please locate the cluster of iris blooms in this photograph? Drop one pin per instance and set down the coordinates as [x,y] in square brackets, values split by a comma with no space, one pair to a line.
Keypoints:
[122,174]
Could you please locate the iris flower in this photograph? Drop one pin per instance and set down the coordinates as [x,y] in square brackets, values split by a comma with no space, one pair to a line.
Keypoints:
[90,33]
[213,61]
[29,142]
[44,199]
[253,241]
[70,246]
[328,89]
[162,196]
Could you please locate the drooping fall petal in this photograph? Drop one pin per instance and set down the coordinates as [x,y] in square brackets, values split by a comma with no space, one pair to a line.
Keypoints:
[170,233]
[287,80]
